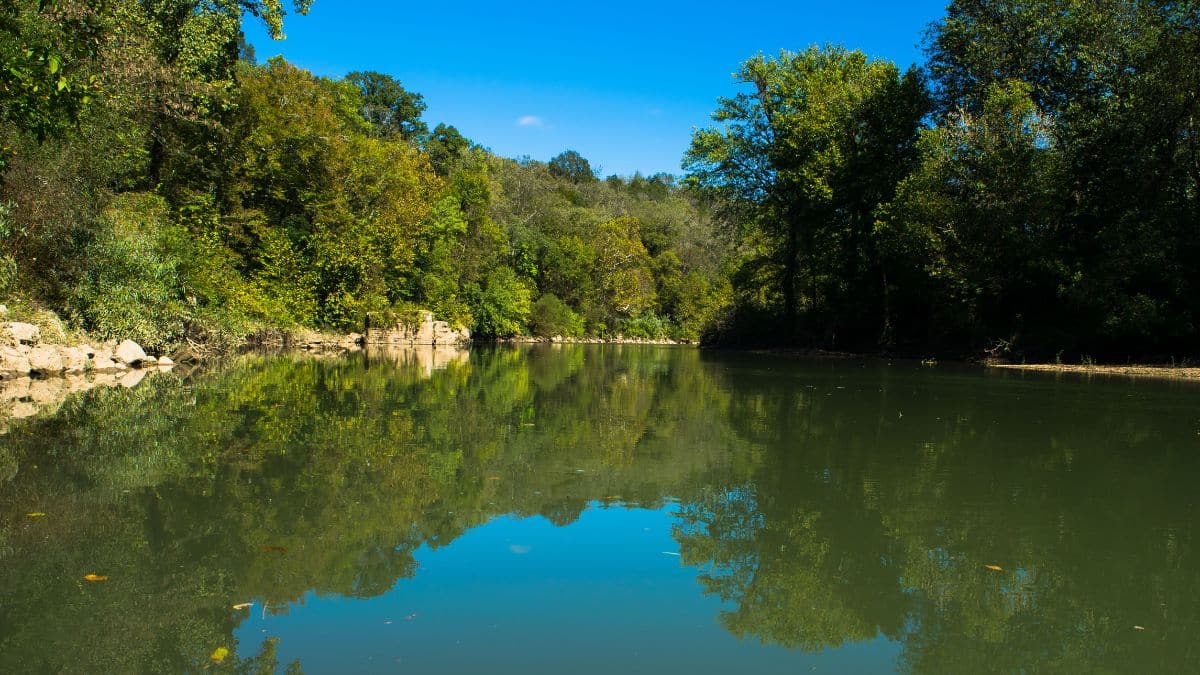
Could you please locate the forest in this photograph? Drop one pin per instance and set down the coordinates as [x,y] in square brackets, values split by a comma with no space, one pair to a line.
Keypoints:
[1032,190]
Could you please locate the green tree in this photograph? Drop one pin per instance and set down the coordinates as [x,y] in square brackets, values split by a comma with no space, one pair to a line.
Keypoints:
[801,162]
[389,107]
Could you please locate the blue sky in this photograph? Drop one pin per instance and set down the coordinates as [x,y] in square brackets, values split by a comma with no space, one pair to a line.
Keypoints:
[623,83]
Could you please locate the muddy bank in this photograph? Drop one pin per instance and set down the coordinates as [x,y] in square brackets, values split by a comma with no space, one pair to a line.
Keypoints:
[1162,372]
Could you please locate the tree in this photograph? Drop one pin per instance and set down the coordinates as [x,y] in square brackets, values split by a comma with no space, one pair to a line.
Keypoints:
[391,109]
[571,166]
[801,162]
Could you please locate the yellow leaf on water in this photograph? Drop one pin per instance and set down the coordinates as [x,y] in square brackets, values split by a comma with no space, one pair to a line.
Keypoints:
[219,654]
[94,577]
[994,568]
[493,477]
[243,605]
[36,514]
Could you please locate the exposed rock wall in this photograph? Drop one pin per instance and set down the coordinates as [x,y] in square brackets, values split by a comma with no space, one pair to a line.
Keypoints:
[425,332]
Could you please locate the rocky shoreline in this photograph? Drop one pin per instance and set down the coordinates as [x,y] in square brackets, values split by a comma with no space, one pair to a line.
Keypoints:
[23,354]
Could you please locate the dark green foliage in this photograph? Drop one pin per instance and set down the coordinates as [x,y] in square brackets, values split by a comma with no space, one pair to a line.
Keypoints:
[1051,203]
[571,166]
[389,107]
[551,316]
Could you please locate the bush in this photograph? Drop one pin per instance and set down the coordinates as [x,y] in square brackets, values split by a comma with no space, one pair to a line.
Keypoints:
[649,326]
[552,316]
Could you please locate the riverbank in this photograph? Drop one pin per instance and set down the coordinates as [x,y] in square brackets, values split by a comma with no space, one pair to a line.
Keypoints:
[1161,372]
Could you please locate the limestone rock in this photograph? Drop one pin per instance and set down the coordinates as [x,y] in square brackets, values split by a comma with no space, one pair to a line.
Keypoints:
[23,333]
[104,363]
[129,353]
[74,359]
[45,359]
[13,363]
[165,361]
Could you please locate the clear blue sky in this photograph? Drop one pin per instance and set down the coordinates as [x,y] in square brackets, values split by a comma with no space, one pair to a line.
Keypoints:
[623,83]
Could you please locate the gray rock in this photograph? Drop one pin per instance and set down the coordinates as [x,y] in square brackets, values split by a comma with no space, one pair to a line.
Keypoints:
[45,359]
[129,353]
[25,333]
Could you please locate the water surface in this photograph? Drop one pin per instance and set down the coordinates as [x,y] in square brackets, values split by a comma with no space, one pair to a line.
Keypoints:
[599,509]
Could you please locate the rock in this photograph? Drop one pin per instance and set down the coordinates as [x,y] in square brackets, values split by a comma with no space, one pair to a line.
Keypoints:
[129,353]
[185,355]
[165,361]
[103,363]
[23,333]
[75,360]
[45,359]
[13,363]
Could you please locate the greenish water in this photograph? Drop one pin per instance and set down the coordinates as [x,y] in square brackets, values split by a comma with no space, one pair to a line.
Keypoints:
[605,509]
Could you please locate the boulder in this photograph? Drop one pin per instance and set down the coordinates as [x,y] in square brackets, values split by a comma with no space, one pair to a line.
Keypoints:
[13,363]
[74,359]
[104,363]
[165,361]
[129,353]
[45,359]
[22,333]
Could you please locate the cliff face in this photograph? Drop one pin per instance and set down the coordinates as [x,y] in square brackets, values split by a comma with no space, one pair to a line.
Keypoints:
[425,332]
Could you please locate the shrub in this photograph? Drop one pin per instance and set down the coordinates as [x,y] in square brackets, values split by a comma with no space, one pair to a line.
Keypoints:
[552,316]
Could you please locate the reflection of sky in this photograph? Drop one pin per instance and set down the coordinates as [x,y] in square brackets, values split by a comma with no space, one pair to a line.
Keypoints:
[602,595]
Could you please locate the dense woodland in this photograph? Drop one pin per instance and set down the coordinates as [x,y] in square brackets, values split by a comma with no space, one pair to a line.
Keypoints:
[1032,190]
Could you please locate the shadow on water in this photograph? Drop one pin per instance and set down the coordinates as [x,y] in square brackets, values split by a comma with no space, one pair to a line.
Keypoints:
[823,503]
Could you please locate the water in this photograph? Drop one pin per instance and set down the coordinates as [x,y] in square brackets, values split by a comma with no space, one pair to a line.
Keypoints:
[604,509]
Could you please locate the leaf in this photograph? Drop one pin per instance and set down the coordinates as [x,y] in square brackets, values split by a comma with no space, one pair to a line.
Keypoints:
[243,605]
[219,654]
[94,577]
[62,83]
[1139,628]
[53,64]
[994,568]
[274,549]
[36,514]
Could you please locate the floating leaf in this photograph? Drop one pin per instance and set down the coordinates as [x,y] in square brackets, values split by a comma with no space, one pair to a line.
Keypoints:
[243,605]
[94,577]
[994,568]
[219,654]
[1139,628]
[493,477]
[36,514]
[274,549]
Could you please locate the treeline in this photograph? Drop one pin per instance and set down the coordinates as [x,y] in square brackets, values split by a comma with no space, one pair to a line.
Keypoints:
[1032,191]
[160,185]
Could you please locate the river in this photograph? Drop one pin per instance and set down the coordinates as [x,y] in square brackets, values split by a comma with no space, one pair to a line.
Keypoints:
[601,509]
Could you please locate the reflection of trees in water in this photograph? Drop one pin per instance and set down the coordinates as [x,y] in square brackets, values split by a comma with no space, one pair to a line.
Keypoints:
[881,498]
[275,478]
[825,504]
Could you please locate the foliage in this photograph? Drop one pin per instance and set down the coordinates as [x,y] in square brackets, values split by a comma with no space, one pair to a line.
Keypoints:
[551,316]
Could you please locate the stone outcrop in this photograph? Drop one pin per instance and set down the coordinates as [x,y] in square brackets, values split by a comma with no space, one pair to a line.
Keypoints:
[425,331]
[21,355]
[21,333]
